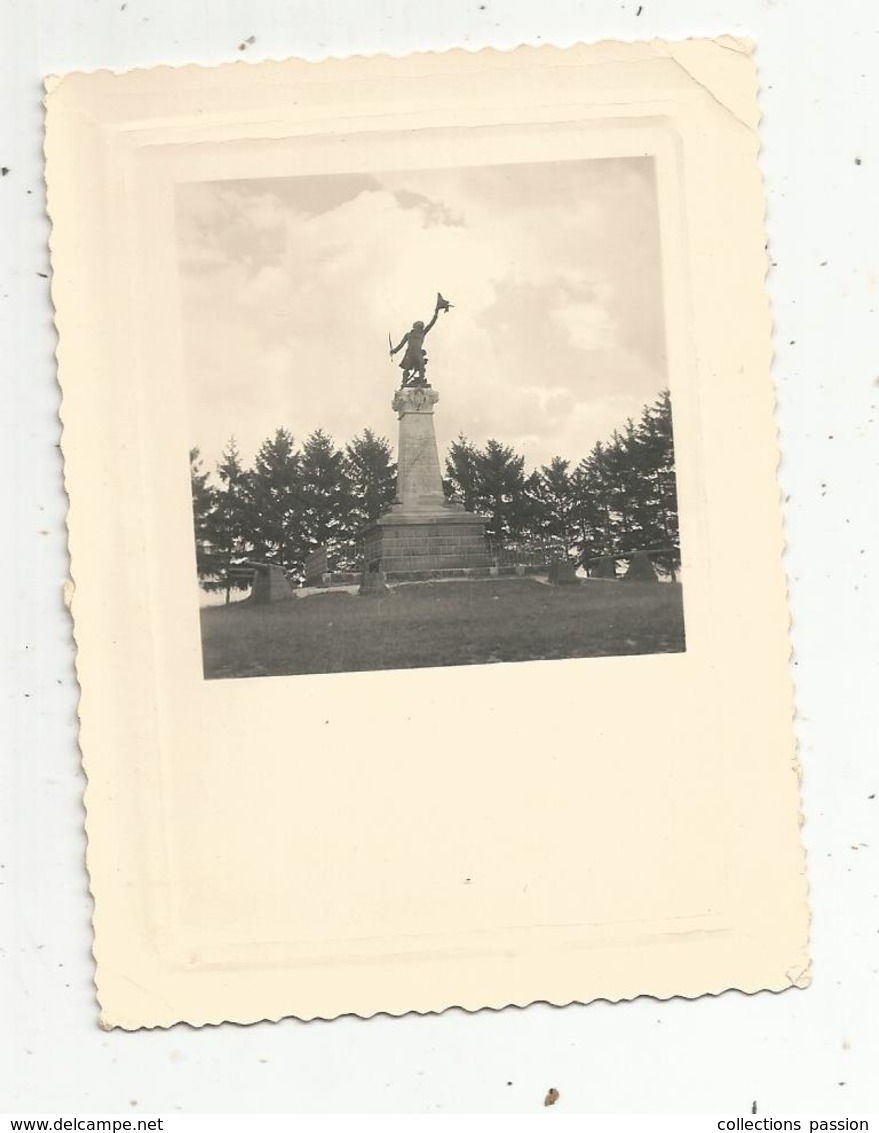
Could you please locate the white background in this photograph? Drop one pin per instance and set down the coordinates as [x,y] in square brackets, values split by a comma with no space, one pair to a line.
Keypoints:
[801,1051]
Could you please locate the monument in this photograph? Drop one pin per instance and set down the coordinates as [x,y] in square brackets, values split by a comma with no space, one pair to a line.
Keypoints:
[269,583]
[423,535]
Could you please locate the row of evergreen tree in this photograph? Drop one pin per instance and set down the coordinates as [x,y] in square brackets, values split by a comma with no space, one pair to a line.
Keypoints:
[618,499]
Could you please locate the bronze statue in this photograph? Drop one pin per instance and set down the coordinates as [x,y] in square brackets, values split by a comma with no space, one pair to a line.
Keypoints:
[414,363]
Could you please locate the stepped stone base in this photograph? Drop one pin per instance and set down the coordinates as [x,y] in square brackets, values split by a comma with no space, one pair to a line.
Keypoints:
[404,545]
[441,575]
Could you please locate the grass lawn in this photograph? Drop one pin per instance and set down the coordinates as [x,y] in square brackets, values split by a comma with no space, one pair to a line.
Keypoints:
[442,623]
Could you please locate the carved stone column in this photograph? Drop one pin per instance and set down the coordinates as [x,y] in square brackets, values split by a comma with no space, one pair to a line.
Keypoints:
[419,482]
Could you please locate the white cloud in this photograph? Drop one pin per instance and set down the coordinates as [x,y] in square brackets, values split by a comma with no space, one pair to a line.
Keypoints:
[588,325]
[555,337]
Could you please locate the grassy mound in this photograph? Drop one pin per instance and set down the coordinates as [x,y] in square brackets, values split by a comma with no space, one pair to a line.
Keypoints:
[442,623]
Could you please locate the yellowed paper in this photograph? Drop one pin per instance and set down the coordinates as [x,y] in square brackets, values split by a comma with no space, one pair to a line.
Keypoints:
[408,840]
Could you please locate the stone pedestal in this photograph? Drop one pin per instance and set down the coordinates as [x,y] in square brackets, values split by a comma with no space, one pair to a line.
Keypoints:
[640,569]
[372,581]
[562,572]
[423,536]
[419,481]
[604,567]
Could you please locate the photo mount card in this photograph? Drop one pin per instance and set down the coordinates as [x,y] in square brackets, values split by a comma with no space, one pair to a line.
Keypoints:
[426,543]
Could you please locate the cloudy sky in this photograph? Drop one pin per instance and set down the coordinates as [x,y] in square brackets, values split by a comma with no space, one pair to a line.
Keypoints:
[290,287]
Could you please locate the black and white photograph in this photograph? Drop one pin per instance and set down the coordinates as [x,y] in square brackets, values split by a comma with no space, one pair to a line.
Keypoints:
[430,417]
[436,391]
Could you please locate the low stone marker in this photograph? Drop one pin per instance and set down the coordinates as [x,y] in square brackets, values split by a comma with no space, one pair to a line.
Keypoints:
[605,567]
[640,569]
[317,567]
[372,581]
[561,572]
[269,584]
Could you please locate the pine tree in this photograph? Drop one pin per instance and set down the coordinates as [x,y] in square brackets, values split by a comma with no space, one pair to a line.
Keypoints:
[322,491]
[371,485]
[274,505]
[658,495]
[202,511]
[372,476]
[621,486]
[556,505]
[587,516]
[230,521]
[592,513]
[461,481]
[502,493]
[625,491]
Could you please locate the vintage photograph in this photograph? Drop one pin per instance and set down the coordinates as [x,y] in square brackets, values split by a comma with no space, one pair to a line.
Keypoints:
[430,417]
[439,388]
